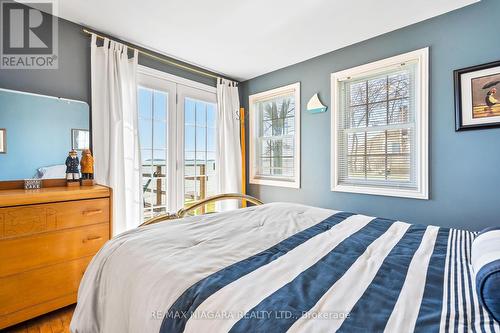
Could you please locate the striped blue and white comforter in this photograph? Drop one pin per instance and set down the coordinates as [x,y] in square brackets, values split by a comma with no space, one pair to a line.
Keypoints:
[283,268]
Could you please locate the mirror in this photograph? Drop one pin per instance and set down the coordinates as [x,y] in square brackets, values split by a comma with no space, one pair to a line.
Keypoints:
[37,132]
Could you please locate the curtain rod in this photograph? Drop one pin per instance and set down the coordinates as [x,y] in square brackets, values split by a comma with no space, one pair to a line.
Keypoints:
[164,60]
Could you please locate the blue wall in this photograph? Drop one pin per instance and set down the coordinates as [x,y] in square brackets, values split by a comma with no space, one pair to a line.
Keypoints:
[464,167]
[38,131]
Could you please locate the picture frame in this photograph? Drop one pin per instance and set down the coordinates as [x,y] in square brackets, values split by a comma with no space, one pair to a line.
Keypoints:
[80,139]
[477,97]
[3,141]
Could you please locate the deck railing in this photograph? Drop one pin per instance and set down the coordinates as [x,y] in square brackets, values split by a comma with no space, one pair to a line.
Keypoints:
[159,192]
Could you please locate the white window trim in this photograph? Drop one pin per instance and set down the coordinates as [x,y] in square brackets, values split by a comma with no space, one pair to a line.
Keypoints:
[252,99]
[421,119]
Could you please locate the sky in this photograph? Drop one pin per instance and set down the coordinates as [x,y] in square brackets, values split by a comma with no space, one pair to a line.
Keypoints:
[199,126]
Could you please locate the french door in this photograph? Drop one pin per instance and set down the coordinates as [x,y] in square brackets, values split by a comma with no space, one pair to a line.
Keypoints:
[177,133]
[196,126]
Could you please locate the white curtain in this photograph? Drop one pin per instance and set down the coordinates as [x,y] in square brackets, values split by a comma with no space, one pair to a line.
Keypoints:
[114,130]
[228,141]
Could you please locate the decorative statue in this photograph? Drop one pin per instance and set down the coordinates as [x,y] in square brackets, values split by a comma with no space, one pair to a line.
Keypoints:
[72,173]
[87,164]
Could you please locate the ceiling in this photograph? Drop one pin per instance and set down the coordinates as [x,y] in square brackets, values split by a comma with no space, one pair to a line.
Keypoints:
[244,39]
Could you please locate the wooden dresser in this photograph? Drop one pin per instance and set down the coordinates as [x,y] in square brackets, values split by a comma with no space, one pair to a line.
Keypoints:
[47,239]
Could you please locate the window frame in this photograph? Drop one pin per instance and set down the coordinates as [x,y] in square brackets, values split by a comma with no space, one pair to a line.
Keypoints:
[421,56]
[253,137]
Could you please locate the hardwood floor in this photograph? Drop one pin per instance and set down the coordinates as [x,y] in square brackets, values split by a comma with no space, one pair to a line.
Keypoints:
[54,322]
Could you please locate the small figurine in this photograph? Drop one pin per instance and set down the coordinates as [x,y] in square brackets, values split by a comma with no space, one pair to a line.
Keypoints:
[72,173]
[87,164]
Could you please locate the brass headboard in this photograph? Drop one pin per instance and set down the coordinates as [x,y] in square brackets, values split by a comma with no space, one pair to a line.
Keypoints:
[183,211]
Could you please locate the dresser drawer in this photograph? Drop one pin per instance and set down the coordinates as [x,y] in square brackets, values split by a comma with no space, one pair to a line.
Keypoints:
[34,219]
[21,254]
[42,285]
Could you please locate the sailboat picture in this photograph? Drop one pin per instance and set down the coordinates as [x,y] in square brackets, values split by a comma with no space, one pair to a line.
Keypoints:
[315,106]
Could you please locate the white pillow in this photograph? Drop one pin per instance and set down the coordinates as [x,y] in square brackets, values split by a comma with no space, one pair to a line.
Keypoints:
[486,266]
[51,172]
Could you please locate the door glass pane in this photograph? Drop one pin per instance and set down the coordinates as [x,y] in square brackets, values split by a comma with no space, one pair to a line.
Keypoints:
[189,137]
[189,113]
[147,161]
[145,102]
[201,113]
[158,192]
[159,135]
[145,133]
[201,139]
[160,106]
[200,170]
[211,115]
[159,163]
[153,129]
[147,189]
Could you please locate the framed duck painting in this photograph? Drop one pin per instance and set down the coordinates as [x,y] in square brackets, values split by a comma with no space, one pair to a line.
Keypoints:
[477,97]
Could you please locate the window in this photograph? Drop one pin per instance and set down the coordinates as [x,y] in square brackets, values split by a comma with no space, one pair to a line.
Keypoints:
[275,137]
[80,139]
[380,127]
[200,167]
[177,124]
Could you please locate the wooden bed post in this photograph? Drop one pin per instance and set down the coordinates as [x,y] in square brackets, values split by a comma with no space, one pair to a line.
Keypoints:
[243,154]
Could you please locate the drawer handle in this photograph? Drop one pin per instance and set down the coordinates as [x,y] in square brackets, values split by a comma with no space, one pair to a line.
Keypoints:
[91,238]
[92,212]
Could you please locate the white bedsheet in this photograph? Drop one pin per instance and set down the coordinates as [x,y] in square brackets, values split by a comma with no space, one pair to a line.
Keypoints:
[137,275]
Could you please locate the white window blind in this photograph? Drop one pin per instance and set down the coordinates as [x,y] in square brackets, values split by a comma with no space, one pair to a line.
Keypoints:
[274,121]
[377,130]
[379,127]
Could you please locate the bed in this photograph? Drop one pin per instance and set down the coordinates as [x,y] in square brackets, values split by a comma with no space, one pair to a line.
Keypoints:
[283,267]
